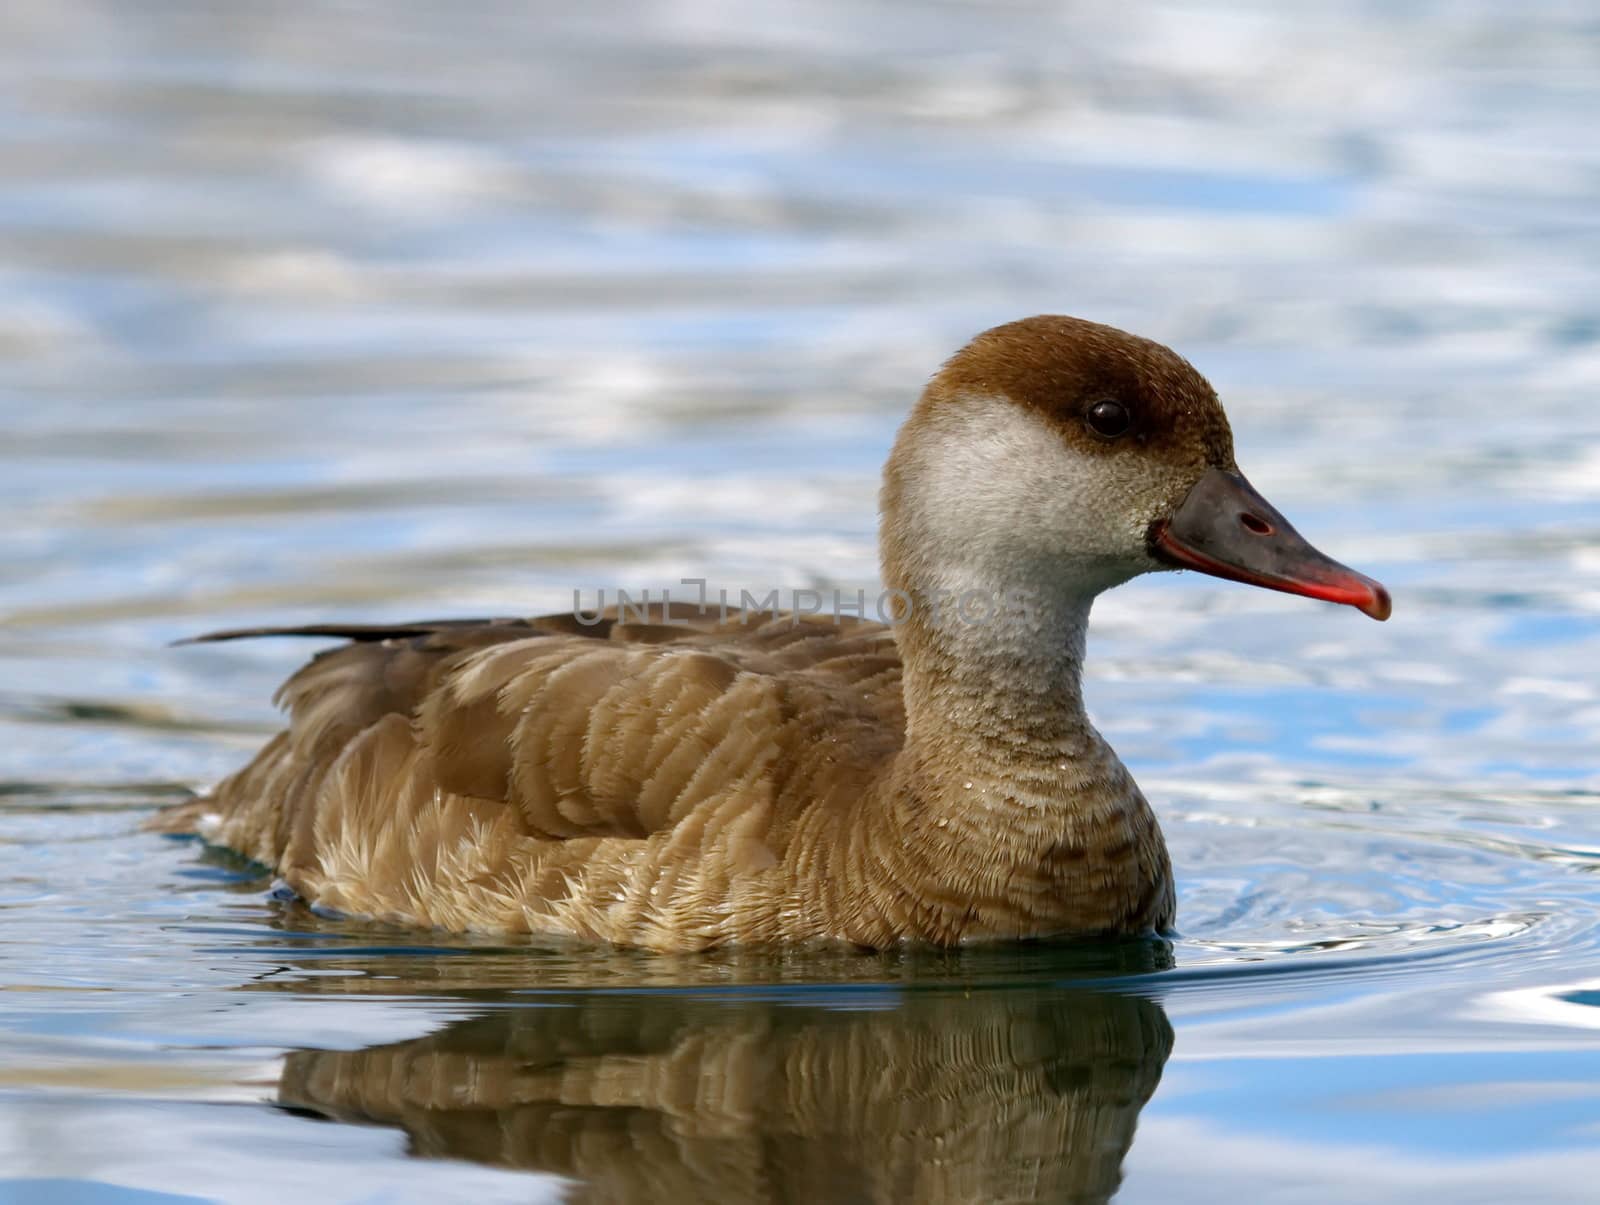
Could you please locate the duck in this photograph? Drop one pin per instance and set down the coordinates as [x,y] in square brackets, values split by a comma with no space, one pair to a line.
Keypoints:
[709,777]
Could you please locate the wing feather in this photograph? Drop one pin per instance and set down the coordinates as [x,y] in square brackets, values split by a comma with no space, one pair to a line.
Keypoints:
[562,731]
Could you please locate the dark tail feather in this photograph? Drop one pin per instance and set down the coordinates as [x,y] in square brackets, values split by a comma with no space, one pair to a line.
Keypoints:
[354,631]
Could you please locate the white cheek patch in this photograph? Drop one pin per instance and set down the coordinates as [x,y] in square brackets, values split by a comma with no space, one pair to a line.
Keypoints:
[995,495]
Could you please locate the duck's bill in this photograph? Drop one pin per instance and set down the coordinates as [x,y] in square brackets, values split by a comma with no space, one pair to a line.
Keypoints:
[1224,528]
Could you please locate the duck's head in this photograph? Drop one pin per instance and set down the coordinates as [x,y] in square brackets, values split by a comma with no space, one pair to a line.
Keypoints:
[1058,455]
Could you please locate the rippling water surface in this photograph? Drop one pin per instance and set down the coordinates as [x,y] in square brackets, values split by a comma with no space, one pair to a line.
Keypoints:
[319,310]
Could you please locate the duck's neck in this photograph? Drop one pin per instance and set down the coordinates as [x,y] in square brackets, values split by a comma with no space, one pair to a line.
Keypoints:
[1009,814]
[995,693]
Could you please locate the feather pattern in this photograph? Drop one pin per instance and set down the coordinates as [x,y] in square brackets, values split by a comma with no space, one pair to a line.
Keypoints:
[722,784]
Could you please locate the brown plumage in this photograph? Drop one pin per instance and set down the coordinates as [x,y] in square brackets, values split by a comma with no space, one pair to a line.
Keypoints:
[755,779]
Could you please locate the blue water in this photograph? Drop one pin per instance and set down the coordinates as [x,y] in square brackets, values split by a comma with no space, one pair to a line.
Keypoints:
[314,311]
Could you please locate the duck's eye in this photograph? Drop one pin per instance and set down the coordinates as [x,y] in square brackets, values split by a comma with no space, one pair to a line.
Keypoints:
[1109,419]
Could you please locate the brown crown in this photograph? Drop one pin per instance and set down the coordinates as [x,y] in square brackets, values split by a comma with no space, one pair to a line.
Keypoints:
[1060,367]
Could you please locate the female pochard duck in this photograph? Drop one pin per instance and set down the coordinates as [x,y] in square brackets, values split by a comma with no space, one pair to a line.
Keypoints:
[742,780]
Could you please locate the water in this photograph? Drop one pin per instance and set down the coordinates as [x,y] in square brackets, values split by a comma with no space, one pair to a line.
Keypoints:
[321,310]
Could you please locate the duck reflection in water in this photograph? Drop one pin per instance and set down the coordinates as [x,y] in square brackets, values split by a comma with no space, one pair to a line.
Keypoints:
[1016,1094]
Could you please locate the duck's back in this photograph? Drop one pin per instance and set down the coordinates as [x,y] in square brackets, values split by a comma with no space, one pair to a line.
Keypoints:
[657,784]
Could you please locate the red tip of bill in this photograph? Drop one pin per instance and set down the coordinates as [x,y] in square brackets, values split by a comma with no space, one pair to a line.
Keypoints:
[1224,528]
